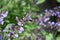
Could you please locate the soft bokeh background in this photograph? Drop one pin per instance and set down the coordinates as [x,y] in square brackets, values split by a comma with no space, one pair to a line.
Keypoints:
[32,30]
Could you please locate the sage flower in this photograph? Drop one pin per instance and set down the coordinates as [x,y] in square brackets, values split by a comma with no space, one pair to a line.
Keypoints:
[21,29]
[51,18]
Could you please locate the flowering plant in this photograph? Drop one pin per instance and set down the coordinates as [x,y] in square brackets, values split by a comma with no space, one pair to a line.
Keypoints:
[19,20]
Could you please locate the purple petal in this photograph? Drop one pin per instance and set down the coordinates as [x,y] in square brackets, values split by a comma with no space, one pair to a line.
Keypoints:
[46,19]
[21,30]
[1,22]
[5,14]
[0,37]
[20,23]
[17,18]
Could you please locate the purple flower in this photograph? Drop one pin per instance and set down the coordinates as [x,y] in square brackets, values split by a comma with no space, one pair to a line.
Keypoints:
[51,20]
[1,19]
[21,29]
[8,35]
[0,37]
[43,24]
[46,10]
[2,22]
[58,23]
[54,14]
[59,16]
[52,23]
[15,36]
[5,14]
[29,18]
[51,11]
[46,19]
[20,23]
[58,12]
[2,16]
[17,19]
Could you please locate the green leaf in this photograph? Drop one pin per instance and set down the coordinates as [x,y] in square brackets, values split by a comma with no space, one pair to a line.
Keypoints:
[44,33]
[58,1]
[33,36]
[49,36]
[29,26]
[40,1]
[58,38]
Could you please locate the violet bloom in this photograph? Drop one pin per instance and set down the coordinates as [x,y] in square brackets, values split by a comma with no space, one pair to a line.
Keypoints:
[8,35]
[1,21]
[59,16]
[54,14]
[20,24]
[58,12]
[15,36]
[46,19]
[0,37]
[4,14]
[51,20]
[17,19]
[51,11]
[42,23]
[58,23]
[29,18]
[52,23]
[21,29]
[46,10]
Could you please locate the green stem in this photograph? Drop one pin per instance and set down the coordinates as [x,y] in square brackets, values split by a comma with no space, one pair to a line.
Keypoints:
[54,35]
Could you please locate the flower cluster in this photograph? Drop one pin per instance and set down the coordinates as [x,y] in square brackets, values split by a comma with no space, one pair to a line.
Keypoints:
[12,31]
[27,17]
[2,16]
[51,18]
[20,24]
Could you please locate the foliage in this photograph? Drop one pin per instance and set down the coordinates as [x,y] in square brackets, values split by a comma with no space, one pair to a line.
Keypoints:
[20,8]
[58,1]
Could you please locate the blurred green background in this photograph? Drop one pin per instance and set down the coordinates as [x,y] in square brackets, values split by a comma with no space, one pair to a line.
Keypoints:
[20,8]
